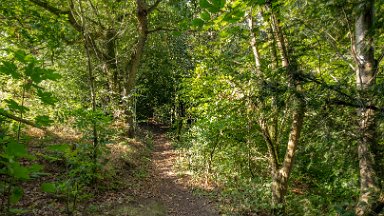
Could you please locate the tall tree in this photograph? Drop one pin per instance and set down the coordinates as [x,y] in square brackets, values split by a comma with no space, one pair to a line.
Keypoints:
[142,13]
[103,37]
[281,173]
[370,201]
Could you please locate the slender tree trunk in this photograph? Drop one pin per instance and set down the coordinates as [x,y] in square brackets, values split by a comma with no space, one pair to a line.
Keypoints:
[265,129]
[253,43]
[87,46]
[281,176]
[133,66]
[111,60]
[93,99]
[21,115]
[369,200]
[180,110]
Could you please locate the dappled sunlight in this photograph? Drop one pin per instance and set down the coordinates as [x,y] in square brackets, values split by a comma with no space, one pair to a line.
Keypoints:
[191,108]
[172,188]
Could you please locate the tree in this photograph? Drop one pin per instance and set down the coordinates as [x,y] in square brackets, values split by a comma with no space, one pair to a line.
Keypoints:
[370,200]
[104,29]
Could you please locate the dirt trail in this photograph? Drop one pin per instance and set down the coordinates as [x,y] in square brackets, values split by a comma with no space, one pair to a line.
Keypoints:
[164,185]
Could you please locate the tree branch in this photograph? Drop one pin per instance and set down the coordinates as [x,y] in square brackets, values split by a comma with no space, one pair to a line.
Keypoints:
[334,88]
[58,12]
[27,122]
[153,7]
[49,7]
[354,105]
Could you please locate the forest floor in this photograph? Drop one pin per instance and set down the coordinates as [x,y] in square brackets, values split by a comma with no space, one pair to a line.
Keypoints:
[144,183]
[161,192]
[169,188]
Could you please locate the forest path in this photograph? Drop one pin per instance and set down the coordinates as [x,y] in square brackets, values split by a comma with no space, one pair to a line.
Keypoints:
[167,187]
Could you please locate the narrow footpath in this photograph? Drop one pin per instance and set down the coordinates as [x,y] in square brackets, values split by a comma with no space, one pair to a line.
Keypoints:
[167,187]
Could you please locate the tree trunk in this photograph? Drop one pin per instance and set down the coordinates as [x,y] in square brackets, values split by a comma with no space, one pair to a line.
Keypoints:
[369,200]
[255,51]
[92,89]
[281,175]
[133,66]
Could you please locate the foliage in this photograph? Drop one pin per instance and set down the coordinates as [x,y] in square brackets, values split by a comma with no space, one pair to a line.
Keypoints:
[225,75]
[23,72]
[226,99]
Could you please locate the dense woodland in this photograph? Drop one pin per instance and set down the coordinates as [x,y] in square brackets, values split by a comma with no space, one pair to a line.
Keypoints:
[274,107]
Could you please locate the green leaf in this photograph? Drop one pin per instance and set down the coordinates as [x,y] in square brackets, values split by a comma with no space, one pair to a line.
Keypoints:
[38,74]
[14,106]
[205,16]
[49,74]
[198,22]
[204,4]
[35,168]
[17,171]
[218,3]
[18,211]
[213,7]
[223,34]
[16,150]
[46,97]
[256,2]
[16,194]
[20,55]
[48,187]
[43,120]
[34,73]
[260,2]
[9,68]
[234,16]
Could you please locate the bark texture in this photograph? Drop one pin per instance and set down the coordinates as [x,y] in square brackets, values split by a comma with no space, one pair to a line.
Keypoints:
[281,173]
[142,13]
[369,201]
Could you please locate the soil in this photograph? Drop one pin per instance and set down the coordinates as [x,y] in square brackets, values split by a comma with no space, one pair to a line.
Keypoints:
[148,184]
[165,186]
